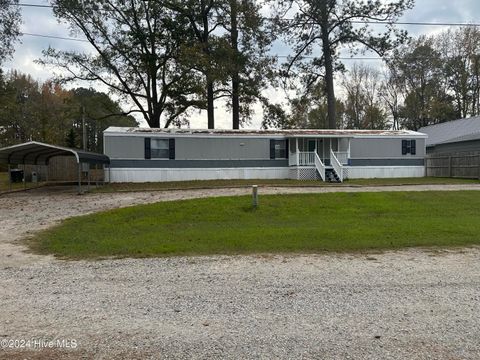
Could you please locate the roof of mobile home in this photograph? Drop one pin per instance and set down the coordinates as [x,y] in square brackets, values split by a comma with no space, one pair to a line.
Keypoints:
[246,132]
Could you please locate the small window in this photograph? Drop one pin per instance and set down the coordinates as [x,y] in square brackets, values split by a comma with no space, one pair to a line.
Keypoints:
[280,149]
[160,149]
[409,147]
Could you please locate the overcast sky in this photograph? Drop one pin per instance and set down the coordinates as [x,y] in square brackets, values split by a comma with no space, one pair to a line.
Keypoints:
[42,21]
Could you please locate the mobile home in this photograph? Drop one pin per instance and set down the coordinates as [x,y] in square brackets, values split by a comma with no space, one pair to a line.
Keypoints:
[148,155]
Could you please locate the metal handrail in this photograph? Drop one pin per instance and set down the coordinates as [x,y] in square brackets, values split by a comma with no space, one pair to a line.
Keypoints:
[320,166]
[336,165]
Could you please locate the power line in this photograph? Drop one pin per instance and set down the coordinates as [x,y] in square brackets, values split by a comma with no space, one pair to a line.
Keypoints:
[32,5]
[55,37]
[366,22]
[373,58]
[279,56]
[416,23]
[339,58]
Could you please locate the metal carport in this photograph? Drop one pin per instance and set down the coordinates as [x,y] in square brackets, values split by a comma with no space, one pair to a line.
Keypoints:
[37,153]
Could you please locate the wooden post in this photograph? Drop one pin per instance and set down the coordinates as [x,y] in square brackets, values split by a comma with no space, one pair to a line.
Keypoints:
[255,196]
[450,166]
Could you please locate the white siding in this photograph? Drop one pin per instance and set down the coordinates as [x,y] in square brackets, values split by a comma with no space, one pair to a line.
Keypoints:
[369,172]
[157,175]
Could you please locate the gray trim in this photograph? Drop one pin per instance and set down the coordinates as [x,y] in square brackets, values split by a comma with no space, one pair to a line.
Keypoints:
[386,162]
[188,164]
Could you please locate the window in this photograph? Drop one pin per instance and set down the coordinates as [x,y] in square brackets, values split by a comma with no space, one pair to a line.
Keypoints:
[280,149]
[159,149]
[409,147]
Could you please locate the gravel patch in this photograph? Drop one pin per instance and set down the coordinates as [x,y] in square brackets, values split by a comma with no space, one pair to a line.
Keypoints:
[415,304]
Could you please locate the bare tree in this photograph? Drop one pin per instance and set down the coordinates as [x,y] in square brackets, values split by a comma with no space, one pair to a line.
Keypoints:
[392,94]
[363,106]
[460,50]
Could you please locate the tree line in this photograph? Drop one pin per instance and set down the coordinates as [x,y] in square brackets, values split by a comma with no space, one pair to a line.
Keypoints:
[169,58]
[47,112]
[426,81]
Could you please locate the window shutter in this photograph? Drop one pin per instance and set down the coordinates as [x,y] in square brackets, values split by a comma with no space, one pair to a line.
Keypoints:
[413,147]
[404,147]
[272,149]
[148,148]
[171,149]
[287,148]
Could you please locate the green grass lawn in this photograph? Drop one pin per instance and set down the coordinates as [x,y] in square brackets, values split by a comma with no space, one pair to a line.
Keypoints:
[115,187]
[308,223]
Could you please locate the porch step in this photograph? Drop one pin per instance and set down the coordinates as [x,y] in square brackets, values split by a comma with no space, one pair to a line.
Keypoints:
[331,176]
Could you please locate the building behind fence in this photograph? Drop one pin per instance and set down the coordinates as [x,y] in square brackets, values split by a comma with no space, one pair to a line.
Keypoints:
[459,165]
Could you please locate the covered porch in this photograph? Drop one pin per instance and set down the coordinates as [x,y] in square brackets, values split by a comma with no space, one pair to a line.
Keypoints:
[328,155]
[302,150]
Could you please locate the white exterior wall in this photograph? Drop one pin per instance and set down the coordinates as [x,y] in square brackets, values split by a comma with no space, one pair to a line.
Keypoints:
[120,175]
[178,174]
[369,172]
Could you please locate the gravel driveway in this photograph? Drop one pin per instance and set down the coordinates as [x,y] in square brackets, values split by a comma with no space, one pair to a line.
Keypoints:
[411,304]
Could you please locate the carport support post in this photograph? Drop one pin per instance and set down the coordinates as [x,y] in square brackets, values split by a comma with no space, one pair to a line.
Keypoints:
[88,178]
[96,176]
[9,178]
[79,178]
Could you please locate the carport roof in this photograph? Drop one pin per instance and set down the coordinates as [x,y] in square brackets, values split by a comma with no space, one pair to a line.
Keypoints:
[37,153]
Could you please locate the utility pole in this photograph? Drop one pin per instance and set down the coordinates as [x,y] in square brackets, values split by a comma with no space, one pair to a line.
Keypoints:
[84,130]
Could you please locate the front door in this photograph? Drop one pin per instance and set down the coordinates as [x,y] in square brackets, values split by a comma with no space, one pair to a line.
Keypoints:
[311,145]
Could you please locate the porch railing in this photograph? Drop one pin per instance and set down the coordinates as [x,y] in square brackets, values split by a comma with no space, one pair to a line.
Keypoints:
[306,158]
[319,165]
[337,166]
[342,157]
